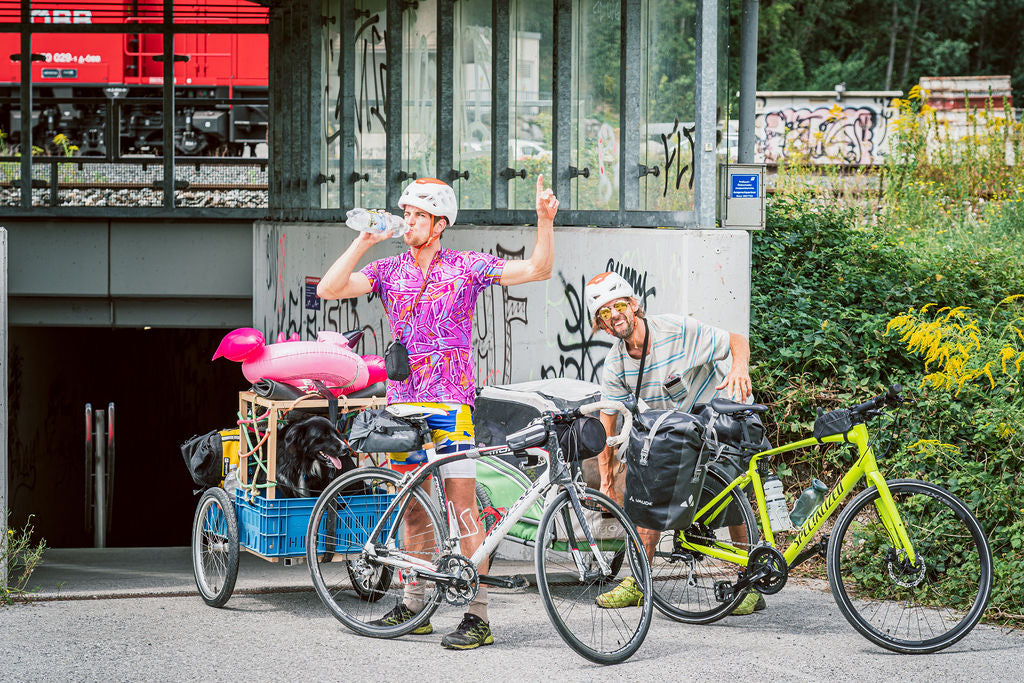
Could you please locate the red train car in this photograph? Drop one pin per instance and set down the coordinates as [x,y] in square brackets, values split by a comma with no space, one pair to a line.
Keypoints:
[80,79]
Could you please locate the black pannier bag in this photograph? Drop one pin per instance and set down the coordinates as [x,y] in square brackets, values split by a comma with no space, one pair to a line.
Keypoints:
[665,469]
[378,431]
[740,436]
[203,456]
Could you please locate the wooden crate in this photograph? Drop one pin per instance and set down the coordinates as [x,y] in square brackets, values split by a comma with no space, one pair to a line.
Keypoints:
[249,402]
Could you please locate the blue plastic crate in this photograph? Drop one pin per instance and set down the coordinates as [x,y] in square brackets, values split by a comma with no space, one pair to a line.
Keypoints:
[277,528]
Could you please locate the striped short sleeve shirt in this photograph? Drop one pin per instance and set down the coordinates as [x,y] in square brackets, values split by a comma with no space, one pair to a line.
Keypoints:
[697,352]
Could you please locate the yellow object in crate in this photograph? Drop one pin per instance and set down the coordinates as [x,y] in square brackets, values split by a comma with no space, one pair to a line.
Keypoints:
[230,440]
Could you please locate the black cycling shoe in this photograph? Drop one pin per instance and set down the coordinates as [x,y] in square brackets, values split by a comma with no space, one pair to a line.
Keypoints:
[471,633]
[401,614]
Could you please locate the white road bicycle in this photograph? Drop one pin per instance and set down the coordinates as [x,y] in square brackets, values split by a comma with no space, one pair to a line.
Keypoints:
[361,550]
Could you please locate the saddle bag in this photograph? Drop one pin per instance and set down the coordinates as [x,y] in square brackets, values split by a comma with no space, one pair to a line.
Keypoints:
[665,469]
[378,431]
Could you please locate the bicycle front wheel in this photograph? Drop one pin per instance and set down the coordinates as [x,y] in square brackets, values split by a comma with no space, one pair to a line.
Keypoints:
[358,589]
[910,607]
[570,579]
[685,577]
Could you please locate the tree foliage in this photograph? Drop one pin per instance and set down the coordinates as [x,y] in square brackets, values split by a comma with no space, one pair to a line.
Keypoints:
[813,45]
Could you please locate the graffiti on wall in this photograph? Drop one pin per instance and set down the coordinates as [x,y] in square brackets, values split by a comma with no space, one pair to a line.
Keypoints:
[673,147]
[533,331]
[291,315]
[497,310]
[855,134]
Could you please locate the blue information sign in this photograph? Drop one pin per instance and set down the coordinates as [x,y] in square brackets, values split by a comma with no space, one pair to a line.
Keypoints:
[744,186]
[312,300]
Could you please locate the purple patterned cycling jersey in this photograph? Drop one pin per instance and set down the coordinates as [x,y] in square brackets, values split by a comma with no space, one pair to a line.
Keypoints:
[439,333]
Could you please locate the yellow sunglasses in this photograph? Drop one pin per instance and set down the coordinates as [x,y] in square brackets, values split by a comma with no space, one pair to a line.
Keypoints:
[605,313]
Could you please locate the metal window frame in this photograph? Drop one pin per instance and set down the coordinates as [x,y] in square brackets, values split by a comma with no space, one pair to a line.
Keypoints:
[628,213]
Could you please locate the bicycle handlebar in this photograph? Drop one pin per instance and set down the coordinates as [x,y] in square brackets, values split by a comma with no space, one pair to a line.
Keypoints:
[894,396]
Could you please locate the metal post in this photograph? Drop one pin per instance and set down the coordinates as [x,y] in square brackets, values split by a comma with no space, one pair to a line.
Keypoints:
[393,145]
[26,107]
[314,196]
[168,86]
[445,89]
[347,78]
[3,404]
[704,199]
[748,81]
[629,106]
[100,484]
[561,103]
[499,103]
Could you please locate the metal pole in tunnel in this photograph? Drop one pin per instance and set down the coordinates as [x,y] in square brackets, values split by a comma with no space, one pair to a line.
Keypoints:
[748,81]
[100,484]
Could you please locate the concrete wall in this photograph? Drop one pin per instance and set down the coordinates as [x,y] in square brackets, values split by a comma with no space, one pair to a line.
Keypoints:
[526,332]
[129,273]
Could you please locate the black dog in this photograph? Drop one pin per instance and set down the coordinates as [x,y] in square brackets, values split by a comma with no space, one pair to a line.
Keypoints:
[310,453]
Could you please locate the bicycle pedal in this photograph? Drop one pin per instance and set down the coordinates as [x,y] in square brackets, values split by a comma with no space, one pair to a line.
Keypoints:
[724,591]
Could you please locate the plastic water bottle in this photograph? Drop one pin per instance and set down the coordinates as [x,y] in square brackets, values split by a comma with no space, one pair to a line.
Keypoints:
[808,501]
[371,220]
[775,502]
[231,481]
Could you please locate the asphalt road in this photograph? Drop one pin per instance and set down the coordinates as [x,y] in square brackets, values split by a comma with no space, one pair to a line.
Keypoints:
[290,635]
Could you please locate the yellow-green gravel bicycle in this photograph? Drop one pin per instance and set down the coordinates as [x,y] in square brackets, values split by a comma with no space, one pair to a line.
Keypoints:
[908,563]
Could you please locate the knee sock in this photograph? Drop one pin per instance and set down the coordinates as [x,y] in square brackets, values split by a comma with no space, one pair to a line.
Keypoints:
[415,594]
[478,607]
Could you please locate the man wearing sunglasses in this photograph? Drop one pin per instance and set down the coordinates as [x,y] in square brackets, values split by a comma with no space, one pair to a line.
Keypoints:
[688,362]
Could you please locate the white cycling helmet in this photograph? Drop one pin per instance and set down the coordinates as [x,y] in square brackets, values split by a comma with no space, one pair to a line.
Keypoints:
[604,288]
[434,196]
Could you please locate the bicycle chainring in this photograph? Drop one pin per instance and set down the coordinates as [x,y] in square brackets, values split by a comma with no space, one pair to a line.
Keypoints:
[464,583]
[772,561]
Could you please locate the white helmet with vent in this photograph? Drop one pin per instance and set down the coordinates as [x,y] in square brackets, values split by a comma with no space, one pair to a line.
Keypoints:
[434,196]
[604,288]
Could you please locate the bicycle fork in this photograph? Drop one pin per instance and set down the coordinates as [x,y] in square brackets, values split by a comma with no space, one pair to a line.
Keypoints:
[603,568]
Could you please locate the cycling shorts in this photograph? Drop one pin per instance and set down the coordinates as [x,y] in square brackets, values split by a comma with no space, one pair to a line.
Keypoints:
[451,433]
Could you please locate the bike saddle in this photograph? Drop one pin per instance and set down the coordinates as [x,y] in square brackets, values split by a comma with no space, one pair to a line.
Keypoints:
[403,410]
[724,406]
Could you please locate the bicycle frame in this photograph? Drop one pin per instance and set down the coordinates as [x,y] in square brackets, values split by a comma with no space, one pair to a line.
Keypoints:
[497,534]
[865,467]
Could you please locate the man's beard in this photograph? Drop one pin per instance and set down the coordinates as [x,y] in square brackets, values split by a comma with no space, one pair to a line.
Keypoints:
[625,334]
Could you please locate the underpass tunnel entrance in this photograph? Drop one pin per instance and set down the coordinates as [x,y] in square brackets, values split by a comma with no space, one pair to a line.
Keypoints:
[164,388]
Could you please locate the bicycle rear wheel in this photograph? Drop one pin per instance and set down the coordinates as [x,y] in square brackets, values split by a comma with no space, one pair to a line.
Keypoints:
[355,586]
[215,547]
[903,606]
[605,636]
[684,578]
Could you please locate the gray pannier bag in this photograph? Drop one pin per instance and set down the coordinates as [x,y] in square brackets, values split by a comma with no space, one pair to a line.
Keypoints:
[665,469]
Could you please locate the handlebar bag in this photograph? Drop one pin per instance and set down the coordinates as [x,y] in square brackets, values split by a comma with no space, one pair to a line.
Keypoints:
[378,431]
[582,438]
[665,469]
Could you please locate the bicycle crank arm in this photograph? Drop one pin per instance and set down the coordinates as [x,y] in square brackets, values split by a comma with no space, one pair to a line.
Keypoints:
[727,590]
[514,583]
